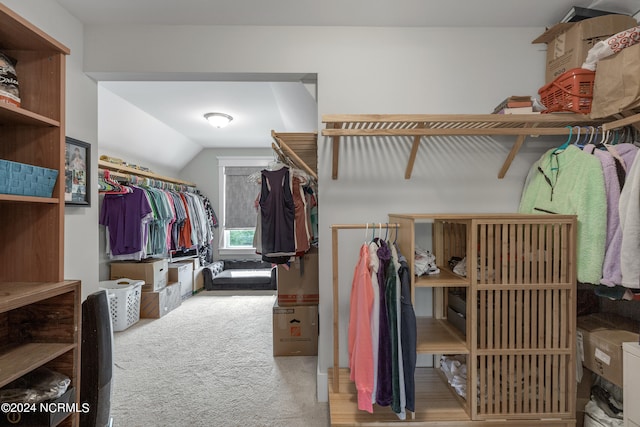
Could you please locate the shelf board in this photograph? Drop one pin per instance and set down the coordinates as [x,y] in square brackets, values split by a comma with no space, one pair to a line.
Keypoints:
[17,33]
[19,294]
[10,114]
[438,336]
[446,278]
[126,170]
[15,361]
[28,199]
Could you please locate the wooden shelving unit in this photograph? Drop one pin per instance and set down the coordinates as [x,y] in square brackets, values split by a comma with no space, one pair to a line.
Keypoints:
[519,345]
[40,312]
[417,126]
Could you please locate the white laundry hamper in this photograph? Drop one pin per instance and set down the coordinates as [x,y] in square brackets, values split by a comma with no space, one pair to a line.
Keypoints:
[124,301]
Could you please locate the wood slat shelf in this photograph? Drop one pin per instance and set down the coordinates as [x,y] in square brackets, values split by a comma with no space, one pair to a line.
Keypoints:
[422,125]
[297,149]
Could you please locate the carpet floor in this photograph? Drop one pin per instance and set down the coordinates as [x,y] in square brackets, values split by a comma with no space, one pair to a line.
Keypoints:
[209,363]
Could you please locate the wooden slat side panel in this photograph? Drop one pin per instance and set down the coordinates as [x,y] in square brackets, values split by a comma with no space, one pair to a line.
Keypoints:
[537,387]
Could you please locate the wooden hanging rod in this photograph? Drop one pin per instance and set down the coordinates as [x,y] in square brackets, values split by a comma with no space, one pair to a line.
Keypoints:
[122,169]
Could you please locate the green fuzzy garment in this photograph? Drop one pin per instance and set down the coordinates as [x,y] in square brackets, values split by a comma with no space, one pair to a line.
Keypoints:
[571,182]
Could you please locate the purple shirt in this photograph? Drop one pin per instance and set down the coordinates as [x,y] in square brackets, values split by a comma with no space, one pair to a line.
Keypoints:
[123,215]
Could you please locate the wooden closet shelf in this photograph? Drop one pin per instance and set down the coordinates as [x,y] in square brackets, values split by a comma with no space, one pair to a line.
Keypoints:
[419,125]
[298,149]
[126,170]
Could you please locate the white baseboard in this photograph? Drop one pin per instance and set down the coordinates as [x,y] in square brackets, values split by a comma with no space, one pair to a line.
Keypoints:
[322,381]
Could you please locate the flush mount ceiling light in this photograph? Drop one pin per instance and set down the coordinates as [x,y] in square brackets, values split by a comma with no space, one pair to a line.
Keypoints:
[218,120]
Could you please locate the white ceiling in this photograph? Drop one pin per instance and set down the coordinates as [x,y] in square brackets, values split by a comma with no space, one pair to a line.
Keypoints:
[262,106]
[401,13]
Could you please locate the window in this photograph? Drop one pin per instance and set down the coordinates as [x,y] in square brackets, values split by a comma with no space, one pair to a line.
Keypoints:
[237,201]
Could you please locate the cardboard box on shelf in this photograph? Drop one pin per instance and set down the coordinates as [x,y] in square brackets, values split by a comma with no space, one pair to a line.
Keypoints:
[568,43]
[601,336]
[182,272]
[154,272]
[295,330]
[154,305]
[298,285]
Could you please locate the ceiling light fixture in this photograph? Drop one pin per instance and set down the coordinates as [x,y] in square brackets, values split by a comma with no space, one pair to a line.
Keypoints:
[218,120]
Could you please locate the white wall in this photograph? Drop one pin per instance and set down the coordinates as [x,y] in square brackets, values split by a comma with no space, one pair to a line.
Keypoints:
[366,70]
[81,233]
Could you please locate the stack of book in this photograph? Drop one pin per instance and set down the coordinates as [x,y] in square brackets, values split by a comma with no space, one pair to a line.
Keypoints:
[515,105]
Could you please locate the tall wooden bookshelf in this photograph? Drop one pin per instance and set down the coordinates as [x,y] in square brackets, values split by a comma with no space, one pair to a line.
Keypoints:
[40,312]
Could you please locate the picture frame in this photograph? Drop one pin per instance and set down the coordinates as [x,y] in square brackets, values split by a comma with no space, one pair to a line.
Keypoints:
[77,162]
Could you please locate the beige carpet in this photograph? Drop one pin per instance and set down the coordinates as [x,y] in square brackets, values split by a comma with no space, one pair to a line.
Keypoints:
[210,363]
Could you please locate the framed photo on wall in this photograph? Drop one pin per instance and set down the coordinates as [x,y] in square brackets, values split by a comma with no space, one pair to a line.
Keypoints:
[76,173]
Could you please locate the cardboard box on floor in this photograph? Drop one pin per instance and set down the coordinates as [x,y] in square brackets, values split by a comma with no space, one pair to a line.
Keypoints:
[602,335]
[298,285]
[295,330]
[568,43]
[154,272]
[182,272]
[154,305]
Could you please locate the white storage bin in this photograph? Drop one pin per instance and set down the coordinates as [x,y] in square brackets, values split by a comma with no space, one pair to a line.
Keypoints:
[124,301]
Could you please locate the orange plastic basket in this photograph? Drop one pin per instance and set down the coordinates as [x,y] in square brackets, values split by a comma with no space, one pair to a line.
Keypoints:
[571,91]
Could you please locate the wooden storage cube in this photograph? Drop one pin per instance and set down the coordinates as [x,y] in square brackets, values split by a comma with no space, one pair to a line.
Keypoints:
[519,289]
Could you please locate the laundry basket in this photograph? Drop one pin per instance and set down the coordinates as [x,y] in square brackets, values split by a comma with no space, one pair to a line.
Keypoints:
[124,301]
[571,91]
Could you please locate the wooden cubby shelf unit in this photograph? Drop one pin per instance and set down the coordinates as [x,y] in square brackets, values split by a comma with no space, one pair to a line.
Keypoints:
[518,330]
[40,311]
[417,126]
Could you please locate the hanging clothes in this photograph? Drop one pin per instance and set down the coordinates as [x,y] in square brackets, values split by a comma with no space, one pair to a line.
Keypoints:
[572,182]
[277,215]
[302,234]
[408,333]
[611,274]
[384,393]
[360,348]
[393,310]
[630,228]
[169,220]
[124,216]
[374,266]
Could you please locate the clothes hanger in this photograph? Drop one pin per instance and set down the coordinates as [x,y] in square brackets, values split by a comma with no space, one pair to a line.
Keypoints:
[577,141]
[566,143]
[366,231]
[396,236]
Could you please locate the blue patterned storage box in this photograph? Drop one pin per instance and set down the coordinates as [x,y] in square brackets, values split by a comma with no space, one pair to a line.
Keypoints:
[26,180]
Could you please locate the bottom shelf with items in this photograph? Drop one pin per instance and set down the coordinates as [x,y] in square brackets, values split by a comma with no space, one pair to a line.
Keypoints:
[437,404]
